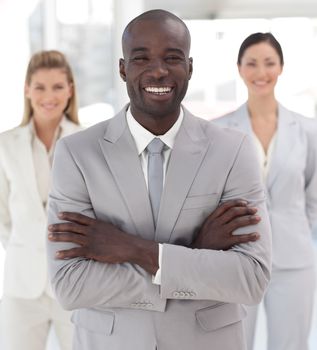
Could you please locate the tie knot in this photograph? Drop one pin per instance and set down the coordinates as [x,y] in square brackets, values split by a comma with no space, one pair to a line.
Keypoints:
[155,146]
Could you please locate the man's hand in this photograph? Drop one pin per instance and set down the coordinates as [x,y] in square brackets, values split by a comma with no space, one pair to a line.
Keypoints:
[216,232]
[103,242]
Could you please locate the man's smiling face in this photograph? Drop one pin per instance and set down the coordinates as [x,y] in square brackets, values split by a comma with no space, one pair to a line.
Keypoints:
[156,67]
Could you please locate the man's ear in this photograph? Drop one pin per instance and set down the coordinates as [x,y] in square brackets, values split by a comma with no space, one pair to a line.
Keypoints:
[190,67]
[122,69]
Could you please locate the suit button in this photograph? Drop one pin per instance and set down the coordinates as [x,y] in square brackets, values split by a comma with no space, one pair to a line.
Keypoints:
[176,294]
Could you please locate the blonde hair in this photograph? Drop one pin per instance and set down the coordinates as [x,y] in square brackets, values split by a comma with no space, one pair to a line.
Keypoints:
[51,59]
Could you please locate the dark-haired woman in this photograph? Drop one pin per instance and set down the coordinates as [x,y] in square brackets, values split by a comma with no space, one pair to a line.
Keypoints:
[286,144]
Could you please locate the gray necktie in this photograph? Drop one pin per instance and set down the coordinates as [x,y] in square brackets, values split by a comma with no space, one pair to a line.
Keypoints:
[155,174]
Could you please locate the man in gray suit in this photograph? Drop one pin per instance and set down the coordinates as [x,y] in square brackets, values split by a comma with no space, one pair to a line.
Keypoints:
[134,252]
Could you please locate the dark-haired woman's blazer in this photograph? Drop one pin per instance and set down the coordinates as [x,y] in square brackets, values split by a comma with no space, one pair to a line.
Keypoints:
[291,184]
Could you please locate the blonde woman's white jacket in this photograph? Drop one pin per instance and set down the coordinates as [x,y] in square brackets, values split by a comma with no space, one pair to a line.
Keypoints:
[291,184]
[23,220]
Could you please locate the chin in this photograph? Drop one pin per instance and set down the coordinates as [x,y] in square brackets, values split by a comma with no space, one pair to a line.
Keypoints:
[159,110]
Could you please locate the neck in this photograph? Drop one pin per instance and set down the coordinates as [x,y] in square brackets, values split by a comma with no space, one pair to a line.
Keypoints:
[155,123]
[263,107]
[45,130]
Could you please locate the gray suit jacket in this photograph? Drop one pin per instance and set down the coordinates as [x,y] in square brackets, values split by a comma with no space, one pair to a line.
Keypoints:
[98,173]
[291,184]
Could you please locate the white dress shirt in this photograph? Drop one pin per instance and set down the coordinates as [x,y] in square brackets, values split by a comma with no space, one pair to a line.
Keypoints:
[142,138]
[264,158]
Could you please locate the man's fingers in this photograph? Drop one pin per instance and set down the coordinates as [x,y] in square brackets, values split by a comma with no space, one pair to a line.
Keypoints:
[246,238]
[68,227]
[75,217]
[218,212]
[236,212]
[242,221]
[66,237]
[70,253]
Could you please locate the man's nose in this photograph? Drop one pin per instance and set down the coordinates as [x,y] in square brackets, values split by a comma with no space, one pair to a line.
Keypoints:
[158,69]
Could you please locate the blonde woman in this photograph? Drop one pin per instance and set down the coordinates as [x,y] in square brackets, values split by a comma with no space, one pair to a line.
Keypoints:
[28,308]
[287,153]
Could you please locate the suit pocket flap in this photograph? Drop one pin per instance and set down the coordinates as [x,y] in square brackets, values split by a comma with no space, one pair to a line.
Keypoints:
[201,201]
[219,315]
[94,321]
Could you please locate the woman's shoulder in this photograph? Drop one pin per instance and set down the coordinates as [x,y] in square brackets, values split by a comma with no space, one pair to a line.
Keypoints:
[11,141]
[11,134]
[296,116]
[306,125]
[239,112]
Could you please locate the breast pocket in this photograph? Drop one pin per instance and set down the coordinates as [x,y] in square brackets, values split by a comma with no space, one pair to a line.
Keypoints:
[194,212]
[199,202]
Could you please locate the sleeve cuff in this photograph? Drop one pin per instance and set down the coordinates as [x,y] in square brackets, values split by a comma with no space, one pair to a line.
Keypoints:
[157,278]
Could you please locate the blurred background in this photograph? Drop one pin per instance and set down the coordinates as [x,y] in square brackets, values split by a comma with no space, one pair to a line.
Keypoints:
[89,33]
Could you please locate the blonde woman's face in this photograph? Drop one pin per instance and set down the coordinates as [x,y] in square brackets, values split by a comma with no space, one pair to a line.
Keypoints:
[260,68]
[49,92]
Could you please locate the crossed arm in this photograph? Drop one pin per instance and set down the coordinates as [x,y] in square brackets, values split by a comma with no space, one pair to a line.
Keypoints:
[104,242]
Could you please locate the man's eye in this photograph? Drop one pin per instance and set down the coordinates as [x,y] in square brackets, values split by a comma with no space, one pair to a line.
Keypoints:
[139,59]
[173,58]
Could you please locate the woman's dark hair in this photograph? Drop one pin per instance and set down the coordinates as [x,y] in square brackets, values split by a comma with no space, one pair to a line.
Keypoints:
[257,38]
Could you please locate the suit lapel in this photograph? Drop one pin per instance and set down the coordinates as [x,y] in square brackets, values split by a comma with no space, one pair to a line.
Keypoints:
[120,152]
[240,120]
[26,165]
[188,152]
[286,134]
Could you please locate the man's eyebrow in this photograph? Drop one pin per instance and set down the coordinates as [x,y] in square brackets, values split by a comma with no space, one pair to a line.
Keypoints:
[173,49]
[137,49]
[145,49]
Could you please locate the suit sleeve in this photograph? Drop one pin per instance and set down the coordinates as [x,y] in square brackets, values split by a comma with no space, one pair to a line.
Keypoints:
[311,173]
[239,275]
[5,220]
[85,283]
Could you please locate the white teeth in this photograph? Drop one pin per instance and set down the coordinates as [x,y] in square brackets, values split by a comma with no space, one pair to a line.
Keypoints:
[158,90]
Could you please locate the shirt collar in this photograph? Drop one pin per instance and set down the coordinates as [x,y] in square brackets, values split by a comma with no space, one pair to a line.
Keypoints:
[143,137]
[58,132]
